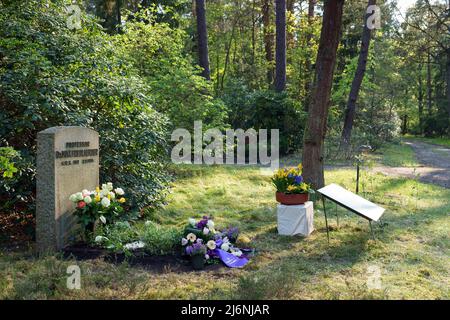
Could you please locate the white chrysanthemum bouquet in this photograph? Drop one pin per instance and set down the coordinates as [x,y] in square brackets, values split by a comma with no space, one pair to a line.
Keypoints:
[105,205]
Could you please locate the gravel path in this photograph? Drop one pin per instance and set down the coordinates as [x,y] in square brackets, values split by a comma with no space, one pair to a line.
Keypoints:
[434,164]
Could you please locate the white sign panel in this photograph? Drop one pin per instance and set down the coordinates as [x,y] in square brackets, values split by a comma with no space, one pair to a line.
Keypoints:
[352,202]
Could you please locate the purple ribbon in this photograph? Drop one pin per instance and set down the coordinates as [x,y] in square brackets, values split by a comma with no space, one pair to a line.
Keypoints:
[230,260]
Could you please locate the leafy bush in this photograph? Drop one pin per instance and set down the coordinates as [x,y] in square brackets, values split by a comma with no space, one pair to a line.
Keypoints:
[266,110]
[115,237]
[158,240]
[157,52]
[50,76]
[7,168]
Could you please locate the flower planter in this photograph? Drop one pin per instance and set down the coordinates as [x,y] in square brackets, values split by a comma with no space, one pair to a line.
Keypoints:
[292,199]
[198,262]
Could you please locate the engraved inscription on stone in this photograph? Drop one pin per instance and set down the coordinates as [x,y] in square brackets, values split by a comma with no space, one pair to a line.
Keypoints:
[67,162]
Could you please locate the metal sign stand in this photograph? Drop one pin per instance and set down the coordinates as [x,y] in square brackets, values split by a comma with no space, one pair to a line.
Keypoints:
[351,202]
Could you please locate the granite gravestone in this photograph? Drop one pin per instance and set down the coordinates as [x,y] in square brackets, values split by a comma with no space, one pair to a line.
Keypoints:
[67,162]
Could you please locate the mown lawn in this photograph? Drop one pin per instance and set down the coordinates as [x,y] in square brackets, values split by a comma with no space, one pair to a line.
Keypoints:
[439,141]
[395,155]
[411,249]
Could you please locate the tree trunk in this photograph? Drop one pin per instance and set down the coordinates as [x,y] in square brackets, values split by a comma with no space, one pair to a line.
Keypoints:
[356,84]
[429,89]
[253,33]
[404,124]
[321,91]
[280,55]
[268,38]
[420,99]
[119,17]
[202,35]
[429,96]
[227,55]
[309,34]
[448,84]
[108,10]
[290,4]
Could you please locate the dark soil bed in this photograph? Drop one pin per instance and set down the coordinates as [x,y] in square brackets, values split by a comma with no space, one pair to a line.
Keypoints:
[140,259]
[16,231]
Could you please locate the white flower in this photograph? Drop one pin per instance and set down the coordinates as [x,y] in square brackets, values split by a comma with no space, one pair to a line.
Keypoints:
[99,239]
[184,242]
[87,199]
[205,231]
[104,193]
[225,246]
[134,245]
[73,198]
[147,223]
[109,186]
[191,237]
[79,196]
[237,253]
[103,219]
[119,191]
[105,202]
[85,192]
[210,224]
[211,244]
[112,195]
[192,222]
[206,256]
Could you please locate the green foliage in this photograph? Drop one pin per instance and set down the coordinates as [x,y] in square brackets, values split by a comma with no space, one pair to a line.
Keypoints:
[158,239]
[105,206]
[7,168]
[50,75]
[266,110]
[115,236]
[177,89]
[290,181]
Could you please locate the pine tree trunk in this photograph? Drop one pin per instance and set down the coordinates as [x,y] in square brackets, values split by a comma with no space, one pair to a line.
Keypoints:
[350,111]
[290,42]
[202,35]
[109,12]
[268,38]
[280,54]
[308,76]
[429,88]
[404,124]
[318,112]
[448,85]
[420,99]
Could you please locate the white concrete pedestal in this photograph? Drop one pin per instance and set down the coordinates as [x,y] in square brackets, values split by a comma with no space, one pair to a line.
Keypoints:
[297,219]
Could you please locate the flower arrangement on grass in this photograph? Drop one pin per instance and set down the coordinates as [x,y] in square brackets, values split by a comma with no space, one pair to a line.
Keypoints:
[290,182]
[104,204]
[202,239]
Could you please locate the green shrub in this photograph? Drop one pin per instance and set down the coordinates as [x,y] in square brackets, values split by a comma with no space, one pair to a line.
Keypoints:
[160,240]
[7,168]
[50,76]
[266,110]
[115,237]
[157,52]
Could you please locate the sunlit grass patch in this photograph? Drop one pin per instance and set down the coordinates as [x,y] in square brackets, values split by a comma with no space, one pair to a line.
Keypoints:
[395,155]
[411,249]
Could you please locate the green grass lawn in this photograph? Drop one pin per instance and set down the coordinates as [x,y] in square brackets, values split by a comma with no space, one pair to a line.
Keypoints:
[395,155]
[439,141]
[411,249]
